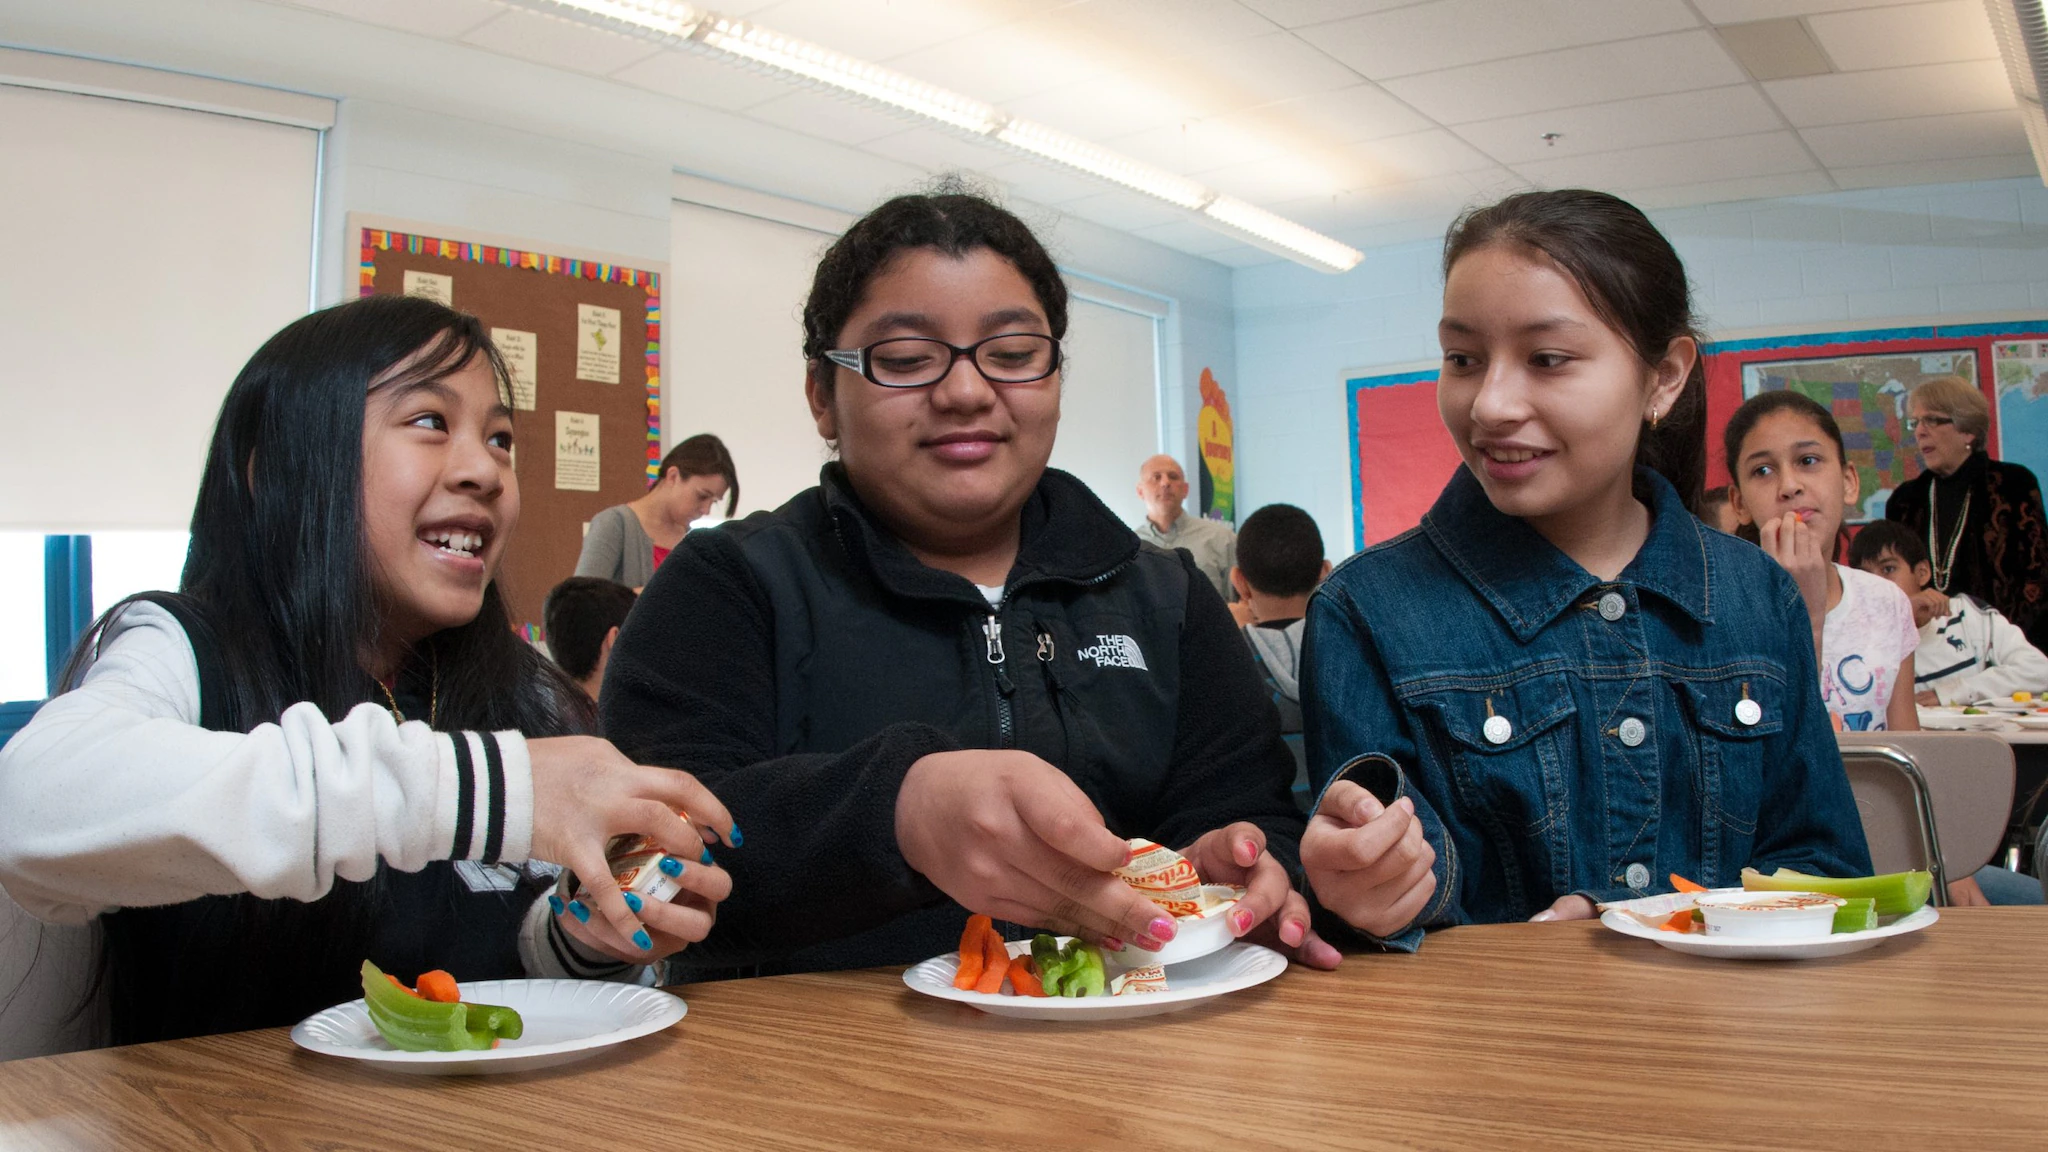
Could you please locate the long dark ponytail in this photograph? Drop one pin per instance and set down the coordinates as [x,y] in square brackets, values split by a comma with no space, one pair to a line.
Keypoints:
[278,592]
[1635,282]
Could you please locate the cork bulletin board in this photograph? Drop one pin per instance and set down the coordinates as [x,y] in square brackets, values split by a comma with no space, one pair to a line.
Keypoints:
[583,339]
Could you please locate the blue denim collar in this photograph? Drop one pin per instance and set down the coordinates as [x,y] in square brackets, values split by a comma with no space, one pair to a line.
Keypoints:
[1528,581]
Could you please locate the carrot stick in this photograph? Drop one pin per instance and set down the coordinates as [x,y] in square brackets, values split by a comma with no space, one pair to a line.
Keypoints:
[972,957]
[1679,922]
[1684,885]
[439,987]
[995,962]
[1023,980]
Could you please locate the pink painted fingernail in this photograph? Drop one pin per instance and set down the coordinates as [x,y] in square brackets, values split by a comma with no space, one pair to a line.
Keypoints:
[1149,944]
[1112,944]
[1242,921]
[1292,932]
[1161,928]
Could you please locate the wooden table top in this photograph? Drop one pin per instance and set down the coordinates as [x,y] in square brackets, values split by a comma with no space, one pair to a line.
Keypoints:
[1492,1038]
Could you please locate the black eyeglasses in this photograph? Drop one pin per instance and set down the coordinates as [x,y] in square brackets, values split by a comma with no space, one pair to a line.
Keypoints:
[1914,422]
[915,361]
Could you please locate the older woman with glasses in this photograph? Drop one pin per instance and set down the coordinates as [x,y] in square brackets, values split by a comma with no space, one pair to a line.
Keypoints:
[948,679]
[1981,518]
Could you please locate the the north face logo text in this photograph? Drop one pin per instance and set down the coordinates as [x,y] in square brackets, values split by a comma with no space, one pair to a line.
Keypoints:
[1115,652]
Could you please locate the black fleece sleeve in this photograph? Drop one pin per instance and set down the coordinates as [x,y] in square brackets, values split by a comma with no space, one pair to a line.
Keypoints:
[691,685]
[1229,763]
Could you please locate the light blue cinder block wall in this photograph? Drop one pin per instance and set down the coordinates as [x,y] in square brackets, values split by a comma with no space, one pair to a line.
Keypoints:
[1861,259]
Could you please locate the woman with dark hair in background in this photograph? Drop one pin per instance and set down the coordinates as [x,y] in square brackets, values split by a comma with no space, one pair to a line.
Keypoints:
[949,679]
[627,542]
[1563,687]
[1982,518]
[329,745]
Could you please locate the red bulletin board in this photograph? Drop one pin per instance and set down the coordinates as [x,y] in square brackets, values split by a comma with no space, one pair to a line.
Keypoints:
[1401,456]
[541,296]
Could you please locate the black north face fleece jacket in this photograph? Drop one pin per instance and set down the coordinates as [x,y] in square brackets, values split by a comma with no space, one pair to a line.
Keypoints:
[799,661]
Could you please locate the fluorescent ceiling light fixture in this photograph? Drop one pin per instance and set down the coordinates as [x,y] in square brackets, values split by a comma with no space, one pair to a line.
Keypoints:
[680,25]
[2021,27]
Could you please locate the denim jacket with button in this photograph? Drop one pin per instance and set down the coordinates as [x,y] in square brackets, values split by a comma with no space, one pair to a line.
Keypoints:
[1559,733]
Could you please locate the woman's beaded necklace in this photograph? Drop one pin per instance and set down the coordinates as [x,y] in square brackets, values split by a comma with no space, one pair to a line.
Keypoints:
[1944,560]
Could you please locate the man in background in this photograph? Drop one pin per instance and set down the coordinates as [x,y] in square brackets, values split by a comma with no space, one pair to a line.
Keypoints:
[1279,562]
[582,616]
[1164,488]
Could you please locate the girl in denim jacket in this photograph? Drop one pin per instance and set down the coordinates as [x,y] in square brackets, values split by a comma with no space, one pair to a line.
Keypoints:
[1560,688]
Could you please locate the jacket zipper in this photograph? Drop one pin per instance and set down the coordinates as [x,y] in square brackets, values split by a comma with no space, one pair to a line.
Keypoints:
[1056,690]
[1006,734]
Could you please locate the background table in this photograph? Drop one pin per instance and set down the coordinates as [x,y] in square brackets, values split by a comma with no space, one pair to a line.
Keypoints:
[1502,1037]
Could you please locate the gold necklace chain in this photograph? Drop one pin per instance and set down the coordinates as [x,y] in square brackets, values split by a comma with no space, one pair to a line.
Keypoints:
[1944,567]
[433,697]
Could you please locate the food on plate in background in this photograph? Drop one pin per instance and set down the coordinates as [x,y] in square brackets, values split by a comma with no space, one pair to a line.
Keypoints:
[433,1019]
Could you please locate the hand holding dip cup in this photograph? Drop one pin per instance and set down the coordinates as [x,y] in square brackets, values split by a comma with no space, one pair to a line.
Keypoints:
[1201,912]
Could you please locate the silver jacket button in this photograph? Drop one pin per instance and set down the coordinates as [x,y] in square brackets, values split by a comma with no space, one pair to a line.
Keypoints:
[1612,607]
[1632,731]
[1498,730]
[1637,876]
[1748,712]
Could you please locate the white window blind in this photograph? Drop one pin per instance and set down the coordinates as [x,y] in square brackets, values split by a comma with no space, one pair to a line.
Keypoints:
[148,251]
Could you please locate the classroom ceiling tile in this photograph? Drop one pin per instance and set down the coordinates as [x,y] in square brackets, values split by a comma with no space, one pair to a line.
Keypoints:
[1416,156]
[1262,69]
[703,80]
[1243,256]
[1008,62]
[842,120]
[1198,145]
[1282,177]
[1906,35]
[441,19]
[558,43]
[1936,171]
[1163,28]
[1665,165]
[1043,182]
[1300,13]
[1127,211]
[1745,11]
[1735,110]
[1360,112]
[1107,107]
[937,150]
[1453,33]
[1892,93]
[900,28]
[1678,62]
[1189,236]
[1921,138]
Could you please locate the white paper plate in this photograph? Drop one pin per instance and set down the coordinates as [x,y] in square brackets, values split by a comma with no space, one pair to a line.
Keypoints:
[564,1020]
[1742,948]
[2032,723]
[1954,720]
[1239,966]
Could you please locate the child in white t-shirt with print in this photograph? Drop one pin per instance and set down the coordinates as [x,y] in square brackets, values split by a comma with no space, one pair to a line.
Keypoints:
[1792,484]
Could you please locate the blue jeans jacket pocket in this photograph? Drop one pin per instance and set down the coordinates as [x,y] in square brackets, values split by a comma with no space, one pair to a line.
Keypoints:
[1733,720]
[1506,749]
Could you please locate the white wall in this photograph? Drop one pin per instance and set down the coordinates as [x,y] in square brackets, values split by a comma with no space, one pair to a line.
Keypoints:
[1109,402]
[1850,259]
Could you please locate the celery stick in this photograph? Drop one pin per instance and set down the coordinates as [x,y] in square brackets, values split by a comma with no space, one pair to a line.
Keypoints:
[1858,915]
[1896,893]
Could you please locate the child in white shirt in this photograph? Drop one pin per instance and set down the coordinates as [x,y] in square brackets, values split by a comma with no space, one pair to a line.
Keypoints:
[1969,652]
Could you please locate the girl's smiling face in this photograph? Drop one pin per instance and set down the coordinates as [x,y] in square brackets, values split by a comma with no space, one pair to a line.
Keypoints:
[439,498]
[1544,400]
[1788,463]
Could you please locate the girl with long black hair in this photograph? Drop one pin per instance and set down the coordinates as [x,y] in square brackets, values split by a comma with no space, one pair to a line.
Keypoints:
[330,745]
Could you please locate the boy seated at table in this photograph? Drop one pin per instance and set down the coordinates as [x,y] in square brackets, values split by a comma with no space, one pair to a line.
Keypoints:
[1279,562]
[582,615]
[1969,652]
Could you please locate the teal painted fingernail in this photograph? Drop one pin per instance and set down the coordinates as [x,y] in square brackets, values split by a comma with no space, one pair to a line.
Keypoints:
[670,866]
[642,941]
[706,858]
[737,839]
[577,910]
[555,904]
[633,901]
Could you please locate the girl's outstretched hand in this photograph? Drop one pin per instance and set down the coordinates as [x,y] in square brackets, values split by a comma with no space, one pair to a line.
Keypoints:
[1368,863]
[585,792]
[1272,912]
[1008,835]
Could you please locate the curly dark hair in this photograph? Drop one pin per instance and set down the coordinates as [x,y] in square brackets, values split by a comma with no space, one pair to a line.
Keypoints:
[953,219]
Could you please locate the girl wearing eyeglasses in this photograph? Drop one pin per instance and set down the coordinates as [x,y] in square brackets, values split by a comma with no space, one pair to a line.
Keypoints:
[948,679]
[1981,518]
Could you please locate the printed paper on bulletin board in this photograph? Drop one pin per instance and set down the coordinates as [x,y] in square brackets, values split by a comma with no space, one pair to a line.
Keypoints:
[535,304]
[1401,456]
[1864,378]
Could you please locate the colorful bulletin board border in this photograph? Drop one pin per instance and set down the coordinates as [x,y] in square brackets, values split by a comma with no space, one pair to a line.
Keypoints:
[1401,456]
[384,240]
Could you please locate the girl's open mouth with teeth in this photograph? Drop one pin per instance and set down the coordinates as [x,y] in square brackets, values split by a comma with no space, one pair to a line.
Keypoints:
[455,541]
